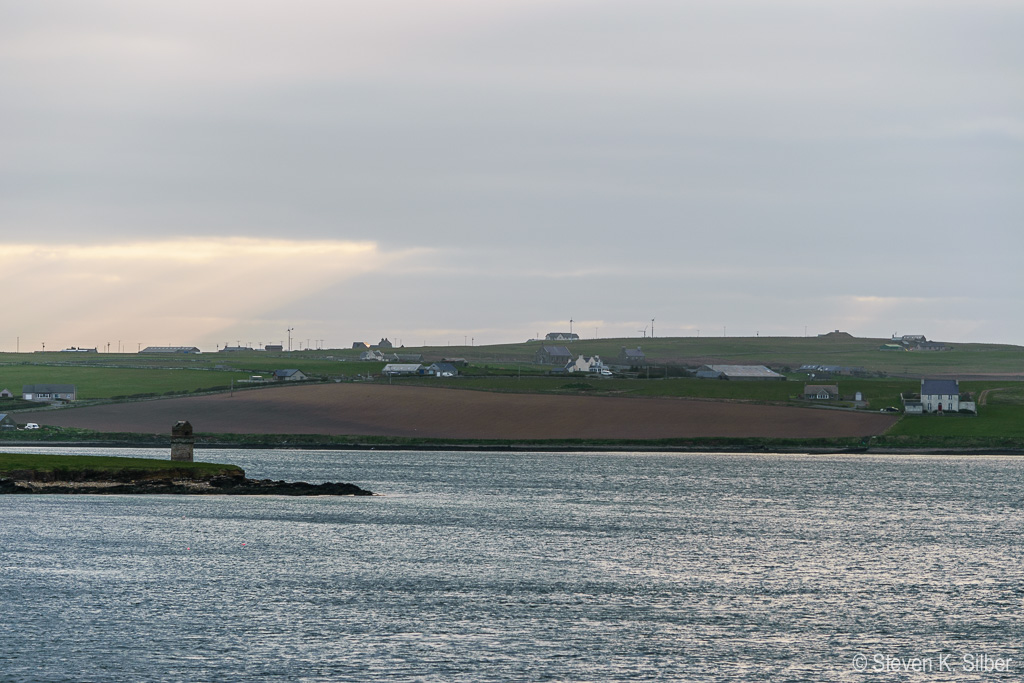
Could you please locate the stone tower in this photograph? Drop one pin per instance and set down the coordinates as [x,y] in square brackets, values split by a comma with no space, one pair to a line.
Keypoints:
[182,441]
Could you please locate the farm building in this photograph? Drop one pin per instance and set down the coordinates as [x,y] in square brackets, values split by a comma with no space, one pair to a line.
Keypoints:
[6,393]
[821,392]
[399,369]
[7,422]
[273,348]
[930,346]
[561,336]
[553,355]
[49,392]
[738,372]
[170,349]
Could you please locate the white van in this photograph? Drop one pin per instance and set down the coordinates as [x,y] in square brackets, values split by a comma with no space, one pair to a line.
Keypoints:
[31,425]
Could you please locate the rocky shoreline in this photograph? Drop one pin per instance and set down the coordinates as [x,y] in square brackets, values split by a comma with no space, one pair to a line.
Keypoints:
[223,485]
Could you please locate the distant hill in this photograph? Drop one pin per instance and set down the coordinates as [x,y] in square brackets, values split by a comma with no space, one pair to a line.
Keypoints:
[834,348]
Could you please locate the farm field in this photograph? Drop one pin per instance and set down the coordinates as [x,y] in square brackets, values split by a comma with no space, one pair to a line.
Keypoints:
[402,411]
[107,382]
[964,359]
[508,370]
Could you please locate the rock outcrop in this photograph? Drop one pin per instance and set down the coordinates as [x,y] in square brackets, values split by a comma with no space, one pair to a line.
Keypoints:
[221,485]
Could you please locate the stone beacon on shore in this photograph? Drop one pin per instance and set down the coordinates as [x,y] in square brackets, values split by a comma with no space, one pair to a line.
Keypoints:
[182,441]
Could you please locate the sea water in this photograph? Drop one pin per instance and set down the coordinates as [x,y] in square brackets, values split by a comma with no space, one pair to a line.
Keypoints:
[528,567]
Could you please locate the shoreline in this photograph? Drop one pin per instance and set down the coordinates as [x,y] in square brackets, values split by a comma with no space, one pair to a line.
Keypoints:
[541,448]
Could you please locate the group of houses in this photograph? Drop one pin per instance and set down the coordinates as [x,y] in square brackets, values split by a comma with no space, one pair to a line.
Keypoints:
[565,361]
[439,369]
[913,342]
[380,356]
[815,370]
[384,343]
[937,396]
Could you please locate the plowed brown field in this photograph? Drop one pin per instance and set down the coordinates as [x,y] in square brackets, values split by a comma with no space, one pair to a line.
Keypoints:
[378,410]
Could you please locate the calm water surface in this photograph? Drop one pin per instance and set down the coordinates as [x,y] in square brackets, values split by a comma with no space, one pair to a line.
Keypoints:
[523,566]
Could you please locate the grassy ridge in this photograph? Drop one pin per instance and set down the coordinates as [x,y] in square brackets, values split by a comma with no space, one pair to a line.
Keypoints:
[70,466]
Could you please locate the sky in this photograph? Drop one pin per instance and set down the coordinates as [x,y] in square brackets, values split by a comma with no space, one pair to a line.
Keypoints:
[211,173]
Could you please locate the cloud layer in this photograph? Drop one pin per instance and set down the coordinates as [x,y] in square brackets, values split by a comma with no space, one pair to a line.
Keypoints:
[749,165]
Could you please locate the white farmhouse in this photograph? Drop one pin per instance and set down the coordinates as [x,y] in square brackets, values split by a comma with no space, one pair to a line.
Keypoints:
[940,395]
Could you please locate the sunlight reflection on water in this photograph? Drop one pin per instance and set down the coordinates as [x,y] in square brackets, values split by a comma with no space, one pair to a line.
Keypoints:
[520,566]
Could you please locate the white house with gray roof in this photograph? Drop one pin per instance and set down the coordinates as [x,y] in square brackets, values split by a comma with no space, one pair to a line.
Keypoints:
[289,375]
[943,396]
[46,393]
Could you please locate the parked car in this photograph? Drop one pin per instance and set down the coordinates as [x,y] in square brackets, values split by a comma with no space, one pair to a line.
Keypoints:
[890,409]
[31,425]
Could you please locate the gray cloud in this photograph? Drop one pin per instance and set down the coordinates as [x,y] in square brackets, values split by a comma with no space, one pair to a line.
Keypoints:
[854,146]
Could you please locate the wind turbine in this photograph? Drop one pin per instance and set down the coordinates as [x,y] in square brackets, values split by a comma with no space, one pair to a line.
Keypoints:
[643,331]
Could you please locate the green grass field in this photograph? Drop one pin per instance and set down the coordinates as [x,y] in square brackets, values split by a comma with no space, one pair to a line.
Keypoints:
[93,382]
[66,465]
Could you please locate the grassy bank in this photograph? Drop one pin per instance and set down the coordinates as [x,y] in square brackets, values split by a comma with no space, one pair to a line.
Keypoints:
[886,442]
[87,468]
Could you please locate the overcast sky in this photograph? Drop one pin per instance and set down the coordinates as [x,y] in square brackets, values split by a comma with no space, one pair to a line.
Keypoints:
[201,173]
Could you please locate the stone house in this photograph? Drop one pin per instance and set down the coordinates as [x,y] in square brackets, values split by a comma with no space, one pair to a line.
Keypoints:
[633,358]
[553,355]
